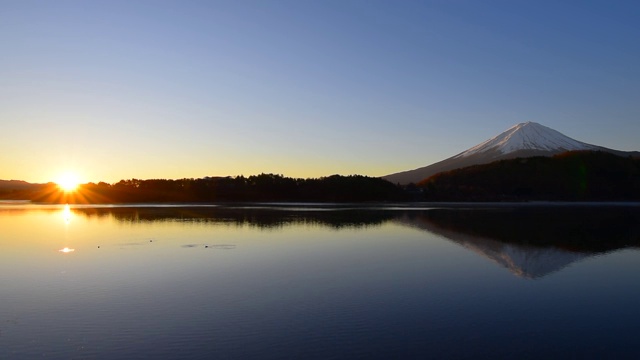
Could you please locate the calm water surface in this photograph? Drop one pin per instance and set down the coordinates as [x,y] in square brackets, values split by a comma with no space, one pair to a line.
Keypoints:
[302,282]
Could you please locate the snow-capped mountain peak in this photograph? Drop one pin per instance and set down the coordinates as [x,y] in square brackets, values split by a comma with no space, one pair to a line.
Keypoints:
[528,136]
[520,141]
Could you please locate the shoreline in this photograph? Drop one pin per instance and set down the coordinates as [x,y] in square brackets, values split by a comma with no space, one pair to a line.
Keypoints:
[13,204]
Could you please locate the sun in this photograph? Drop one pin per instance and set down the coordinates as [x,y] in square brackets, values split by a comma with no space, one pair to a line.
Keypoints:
[68,182]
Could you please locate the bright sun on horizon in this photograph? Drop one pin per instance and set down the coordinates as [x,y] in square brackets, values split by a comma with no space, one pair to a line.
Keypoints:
[68,182]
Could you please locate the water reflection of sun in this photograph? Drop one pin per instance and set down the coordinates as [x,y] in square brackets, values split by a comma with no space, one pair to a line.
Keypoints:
[66,214]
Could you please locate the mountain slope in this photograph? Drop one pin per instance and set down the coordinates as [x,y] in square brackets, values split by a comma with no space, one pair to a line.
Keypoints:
[570,176]
[520,141]
[528,136]
[10,185]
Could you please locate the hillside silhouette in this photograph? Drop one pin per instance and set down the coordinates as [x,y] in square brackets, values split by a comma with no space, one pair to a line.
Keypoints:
[257,188]
[571,176]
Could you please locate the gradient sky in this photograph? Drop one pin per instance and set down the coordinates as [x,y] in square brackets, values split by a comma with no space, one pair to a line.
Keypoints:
[171,89]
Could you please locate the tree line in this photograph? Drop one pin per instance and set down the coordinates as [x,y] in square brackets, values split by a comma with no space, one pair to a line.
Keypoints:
[571,176]
[256,188]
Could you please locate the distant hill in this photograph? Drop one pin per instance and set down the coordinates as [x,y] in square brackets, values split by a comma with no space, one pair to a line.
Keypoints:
[18,189]
[523,140]
[571,176]
[9,185]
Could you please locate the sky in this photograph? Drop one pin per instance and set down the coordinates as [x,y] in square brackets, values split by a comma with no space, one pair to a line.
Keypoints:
[112,90]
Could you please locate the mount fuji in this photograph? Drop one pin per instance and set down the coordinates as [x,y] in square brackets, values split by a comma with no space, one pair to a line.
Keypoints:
[523,140]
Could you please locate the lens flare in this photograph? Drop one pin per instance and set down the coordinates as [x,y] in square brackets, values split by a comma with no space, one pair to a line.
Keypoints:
[68,182]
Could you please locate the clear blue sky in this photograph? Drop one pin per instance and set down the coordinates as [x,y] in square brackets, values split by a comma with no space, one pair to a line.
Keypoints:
[171,89]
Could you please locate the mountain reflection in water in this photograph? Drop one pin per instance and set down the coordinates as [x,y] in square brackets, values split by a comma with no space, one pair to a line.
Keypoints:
[531,242]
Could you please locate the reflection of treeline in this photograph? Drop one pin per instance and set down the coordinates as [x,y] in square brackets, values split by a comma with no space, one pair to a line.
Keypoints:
[572,176]
[260,217]
[573,228]
[586,229]
[263,187]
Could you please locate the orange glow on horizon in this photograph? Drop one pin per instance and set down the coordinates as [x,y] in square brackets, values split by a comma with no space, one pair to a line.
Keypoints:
[83,194]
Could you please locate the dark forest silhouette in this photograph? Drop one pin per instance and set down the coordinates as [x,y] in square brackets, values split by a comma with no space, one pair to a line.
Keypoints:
[257,188]
[572,176]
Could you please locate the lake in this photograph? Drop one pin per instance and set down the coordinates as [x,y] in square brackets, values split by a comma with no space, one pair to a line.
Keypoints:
[308,281]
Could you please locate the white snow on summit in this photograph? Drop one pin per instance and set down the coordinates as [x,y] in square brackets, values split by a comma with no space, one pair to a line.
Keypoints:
[528,136]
